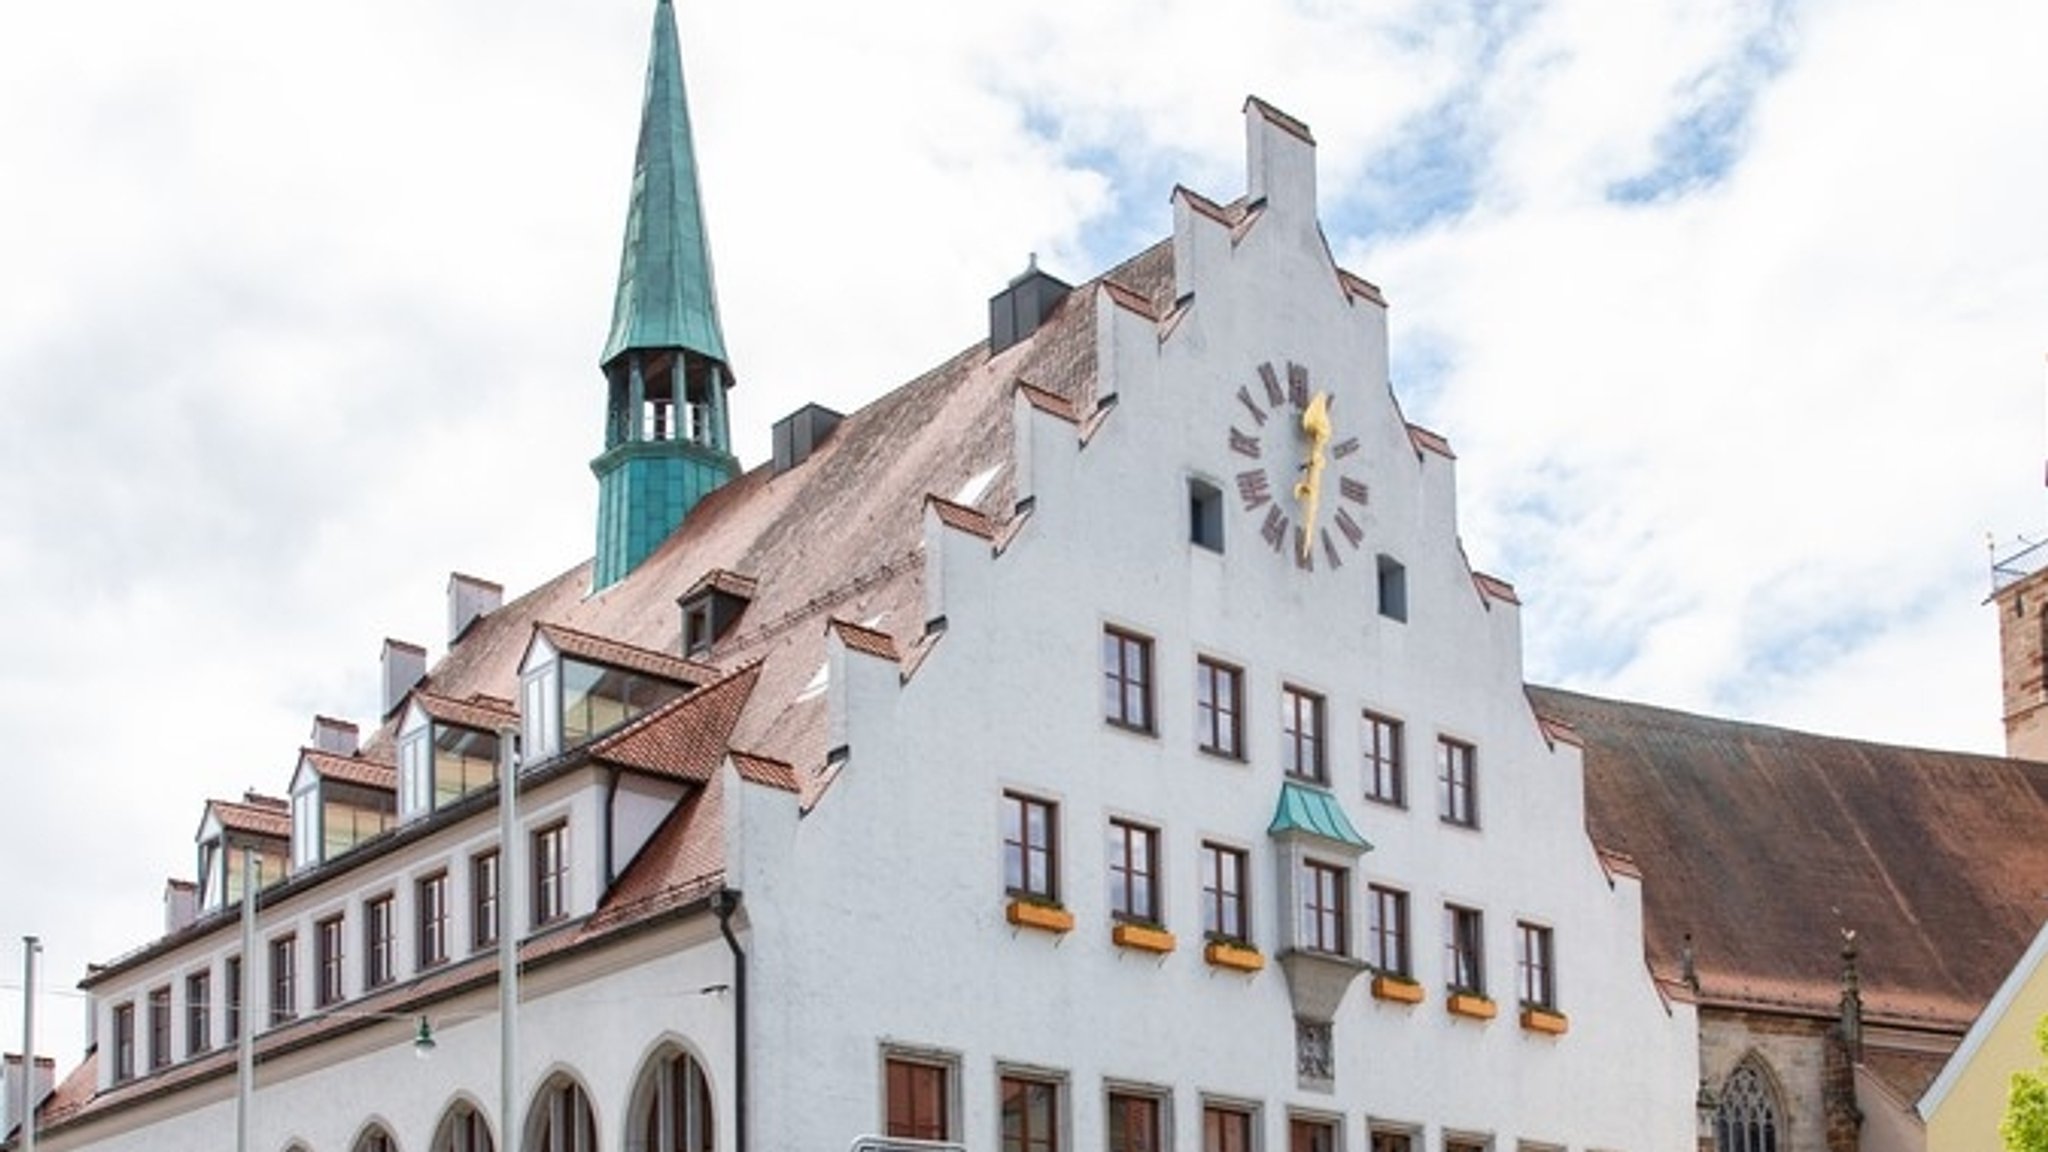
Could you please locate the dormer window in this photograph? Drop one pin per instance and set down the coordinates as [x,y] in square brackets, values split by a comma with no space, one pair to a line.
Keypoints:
[576,687]
[220,870]
[337,803]
[711,607]
[228,832]
[447,749]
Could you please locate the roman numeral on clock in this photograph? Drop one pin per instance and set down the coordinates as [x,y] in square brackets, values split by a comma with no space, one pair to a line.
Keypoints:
[1340,451]
[1244,444]
[1244,397]
[1297,385]
[1271,380]
[1349,527]
[1252,489]
[1352,490]
[1275,527]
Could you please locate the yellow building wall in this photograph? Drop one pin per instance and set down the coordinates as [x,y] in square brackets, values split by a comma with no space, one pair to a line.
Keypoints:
[1967,1118]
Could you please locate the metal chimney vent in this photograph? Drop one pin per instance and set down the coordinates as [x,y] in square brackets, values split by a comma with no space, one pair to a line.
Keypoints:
[798,434]
[1017,311]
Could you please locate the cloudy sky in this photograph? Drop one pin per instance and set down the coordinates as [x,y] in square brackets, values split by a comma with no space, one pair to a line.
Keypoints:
[1734,311]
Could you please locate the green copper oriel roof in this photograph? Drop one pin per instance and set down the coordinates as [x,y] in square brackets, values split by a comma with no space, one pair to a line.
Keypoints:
[665,297]
[1315,812]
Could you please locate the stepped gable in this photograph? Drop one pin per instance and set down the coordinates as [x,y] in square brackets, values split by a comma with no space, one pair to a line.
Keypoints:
[1762,842]
[838,536]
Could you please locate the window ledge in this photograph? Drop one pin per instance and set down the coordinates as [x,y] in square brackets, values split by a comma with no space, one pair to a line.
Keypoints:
[1470,1004]
[1397,989]
[1143,937]
[1548,1021]
[1240,957]
[1045,917]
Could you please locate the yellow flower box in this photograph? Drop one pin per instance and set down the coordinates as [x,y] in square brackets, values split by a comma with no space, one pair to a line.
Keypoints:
[1544,1020]
[1385,987]
[1045,917]
[1242,957]
[1143,937]
[1470,1004]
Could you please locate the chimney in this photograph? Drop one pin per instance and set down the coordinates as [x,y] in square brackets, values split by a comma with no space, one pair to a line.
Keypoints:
[45,1081]
[404,665]
[798,434]
[1017,311]
[336,736]
[468,598]
[181,904]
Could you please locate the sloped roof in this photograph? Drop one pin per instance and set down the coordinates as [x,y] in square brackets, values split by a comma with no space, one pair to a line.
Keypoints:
[686,738]
[352,769]
[254,816]
[483,713]
[1763,843]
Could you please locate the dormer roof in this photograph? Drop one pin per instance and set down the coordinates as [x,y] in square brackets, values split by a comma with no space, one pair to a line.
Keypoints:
[616,654]
[687,738]
[480,712]
[349,769]
[254,815]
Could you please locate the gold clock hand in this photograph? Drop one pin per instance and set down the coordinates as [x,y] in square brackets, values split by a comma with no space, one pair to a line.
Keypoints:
[1315,422]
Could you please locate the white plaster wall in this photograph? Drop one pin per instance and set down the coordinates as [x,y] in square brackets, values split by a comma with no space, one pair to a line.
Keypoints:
[879,916]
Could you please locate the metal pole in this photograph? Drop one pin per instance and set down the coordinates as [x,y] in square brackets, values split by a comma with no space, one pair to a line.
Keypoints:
[245,1033]
[28,1042]
[508,936]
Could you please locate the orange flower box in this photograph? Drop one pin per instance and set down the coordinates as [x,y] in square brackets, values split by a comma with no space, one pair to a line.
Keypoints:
[1470,1004]
[1385,987]
[1143,937]
[1242,957]
[1544,1020]
[1045,917]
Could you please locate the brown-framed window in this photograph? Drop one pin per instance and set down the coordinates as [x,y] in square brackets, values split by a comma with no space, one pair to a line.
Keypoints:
[284,979]
[1457,783]
[1133,872]
[1223,892]
[1226,1128]
[430,898]
[1389,929]
[327,953]
[1127,679]
[1031,1114]
[159,1027]
[919,1099]
[1030,846]
[1301,735]
[1311,1134]
[124,1042]
[1533,965]
[1463,1144]
[1465,949]
[231,981]
[1134,1122]
[550,874]
[483,900]
[198,1013]
[1385,774]
[1324,926]
[380,941]
[1219,708]
[1389,1140]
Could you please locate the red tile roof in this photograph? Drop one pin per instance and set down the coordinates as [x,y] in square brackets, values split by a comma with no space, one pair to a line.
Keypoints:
[687,738]
[616,654]
[353,769]
[266,817]
[720,580]
[482,713]
[866,640]
[1762,843]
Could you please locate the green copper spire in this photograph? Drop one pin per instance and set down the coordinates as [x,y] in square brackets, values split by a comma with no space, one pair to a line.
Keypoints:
[666,444]
[665,297]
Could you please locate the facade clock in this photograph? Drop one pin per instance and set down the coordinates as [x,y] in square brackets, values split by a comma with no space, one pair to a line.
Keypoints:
[1290,447]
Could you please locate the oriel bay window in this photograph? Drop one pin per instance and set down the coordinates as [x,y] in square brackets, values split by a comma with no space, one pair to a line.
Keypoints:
[1030,847]
[1324,923]
[1133,872]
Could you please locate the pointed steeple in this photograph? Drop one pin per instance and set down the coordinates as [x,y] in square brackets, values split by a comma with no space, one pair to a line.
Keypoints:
[665,442]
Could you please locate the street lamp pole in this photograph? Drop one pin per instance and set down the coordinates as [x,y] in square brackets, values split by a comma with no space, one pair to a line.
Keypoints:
[245,1030]
[508,936]
[30,946]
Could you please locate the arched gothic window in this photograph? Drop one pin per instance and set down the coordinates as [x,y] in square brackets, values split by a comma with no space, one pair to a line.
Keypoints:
[561,1120]
[462,1129]
[671,1106]
[374,1139]
[1747,1118]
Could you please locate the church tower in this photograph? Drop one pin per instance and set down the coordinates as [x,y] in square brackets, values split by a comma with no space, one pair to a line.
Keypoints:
[665,436]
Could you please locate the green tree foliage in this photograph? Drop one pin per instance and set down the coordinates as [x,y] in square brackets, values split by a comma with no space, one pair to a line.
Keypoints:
[2025,1127]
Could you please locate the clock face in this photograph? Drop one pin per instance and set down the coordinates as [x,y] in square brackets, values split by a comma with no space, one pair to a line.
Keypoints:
[1290,479]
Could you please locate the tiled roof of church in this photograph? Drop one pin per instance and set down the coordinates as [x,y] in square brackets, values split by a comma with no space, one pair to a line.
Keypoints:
[1762,843]
[352,769]
[483,713]
[256,815]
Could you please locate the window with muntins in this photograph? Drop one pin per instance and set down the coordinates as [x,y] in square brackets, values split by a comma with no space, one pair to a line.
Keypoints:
[1457,786]
[1384,774]
[483,900]
[674,1107]
[1389,930]
[1030,1114]
[550,874]
[561,1119]
[1301,735]
[1533,965]
[1464,950]
[462,1129]
[1133,872]
[1226,1128]
[1223,892]
[1323,921]
[465,760]
[159,1028]
[284,979]
[1388,1140]
[918,1099]
[1219,708]
[327,952]
[1746,1119]
[1305,1134]
[1127,679]
[231,1020]
[1134,1123]
[380,942]
[198,1013]
[124,1042]
[1030,847]
[430,898]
